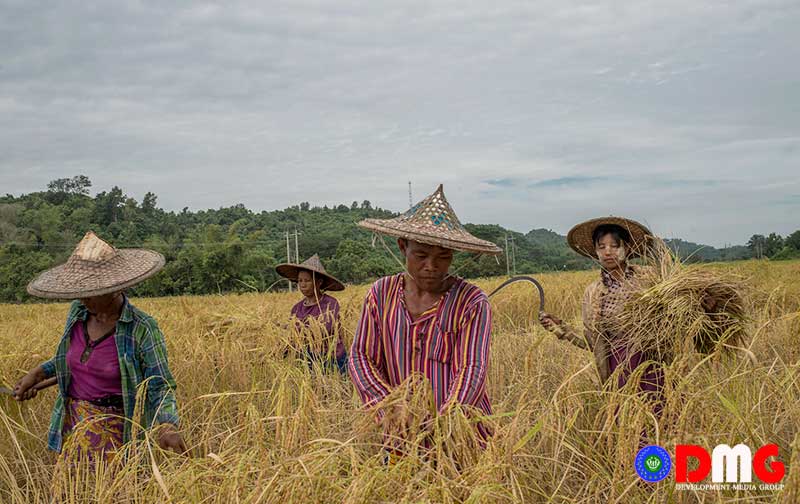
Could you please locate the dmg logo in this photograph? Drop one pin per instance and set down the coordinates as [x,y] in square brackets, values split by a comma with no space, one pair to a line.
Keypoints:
[726,464]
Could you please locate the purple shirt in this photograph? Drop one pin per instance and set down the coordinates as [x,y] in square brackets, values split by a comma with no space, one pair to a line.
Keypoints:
[99,376]
[328,310]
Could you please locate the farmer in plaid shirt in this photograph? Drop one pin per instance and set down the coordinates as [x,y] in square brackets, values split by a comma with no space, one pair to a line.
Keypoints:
[109,351]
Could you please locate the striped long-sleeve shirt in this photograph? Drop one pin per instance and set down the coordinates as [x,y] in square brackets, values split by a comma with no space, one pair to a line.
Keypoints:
[448,344]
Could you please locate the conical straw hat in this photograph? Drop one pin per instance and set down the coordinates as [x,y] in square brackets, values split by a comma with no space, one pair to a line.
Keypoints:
[434,222]
[580,236]
[96,268]
[314,265]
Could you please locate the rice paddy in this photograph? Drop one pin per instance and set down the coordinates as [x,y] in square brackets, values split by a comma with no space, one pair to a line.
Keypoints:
[263,427]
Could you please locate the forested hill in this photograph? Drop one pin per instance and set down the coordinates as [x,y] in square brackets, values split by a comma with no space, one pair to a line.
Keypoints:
[234,249]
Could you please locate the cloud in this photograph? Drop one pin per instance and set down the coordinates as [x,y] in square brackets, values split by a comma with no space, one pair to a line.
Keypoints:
[788,200]
[531,113]
[568,181]
[545,183]
[506,182]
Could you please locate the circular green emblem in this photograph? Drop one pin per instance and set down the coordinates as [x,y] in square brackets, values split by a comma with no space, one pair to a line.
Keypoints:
[652,463]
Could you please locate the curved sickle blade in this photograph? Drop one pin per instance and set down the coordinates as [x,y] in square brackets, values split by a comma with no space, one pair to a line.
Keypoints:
[523,279]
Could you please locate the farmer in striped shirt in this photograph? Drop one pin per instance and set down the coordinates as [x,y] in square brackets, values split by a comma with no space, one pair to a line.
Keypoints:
[425,321]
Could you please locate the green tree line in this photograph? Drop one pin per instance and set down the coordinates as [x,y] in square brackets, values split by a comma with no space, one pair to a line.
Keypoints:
[234,249]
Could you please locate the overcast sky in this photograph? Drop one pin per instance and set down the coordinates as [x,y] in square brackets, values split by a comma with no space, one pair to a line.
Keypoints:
[684,115]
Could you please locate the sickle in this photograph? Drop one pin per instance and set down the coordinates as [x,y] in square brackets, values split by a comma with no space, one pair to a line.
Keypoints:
[521,279]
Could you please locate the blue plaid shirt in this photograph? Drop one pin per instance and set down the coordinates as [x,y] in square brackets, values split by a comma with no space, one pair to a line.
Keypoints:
[142,357]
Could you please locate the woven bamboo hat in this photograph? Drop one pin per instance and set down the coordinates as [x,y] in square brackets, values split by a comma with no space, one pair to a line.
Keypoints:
[313,265]
[580,236]
[432,221]
[96,268]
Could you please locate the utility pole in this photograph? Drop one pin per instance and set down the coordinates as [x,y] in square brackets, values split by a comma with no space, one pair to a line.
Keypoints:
[508,266]
[513,256]
[288,257]
[410,199]
[296,253]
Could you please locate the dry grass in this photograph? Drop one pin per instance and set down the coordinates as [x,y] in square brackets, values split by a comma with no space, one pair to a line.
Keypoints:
[264,428]
[665,318]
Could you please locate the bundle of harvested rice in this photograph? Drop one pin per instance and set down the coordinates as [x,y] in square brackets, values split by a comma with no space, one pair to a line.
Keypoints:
[664,315]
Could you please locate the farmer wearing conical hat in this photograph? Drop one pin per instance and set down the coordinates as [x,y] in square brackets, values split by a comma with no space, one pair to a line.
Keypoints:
[318,309]
[612,241]
[108,348]
[424,320]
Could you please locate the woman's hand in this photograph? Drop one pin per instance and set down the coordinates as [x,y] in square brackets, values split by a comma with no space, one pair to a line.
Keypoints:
[170,439]
[25,388]
[551,323]
[709,303]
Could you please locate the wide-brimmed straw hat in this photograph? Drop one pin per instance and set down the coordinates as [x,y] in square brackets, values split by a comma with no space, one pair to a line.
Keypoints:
[580,236]
[432,221]
[96,268]
[313,265]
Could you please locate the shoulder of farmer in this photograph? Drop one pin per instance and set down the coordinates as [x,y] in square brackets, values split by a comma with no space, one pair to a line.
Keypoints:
[471,293]
[382,288]
[149,342]
[331,302]
[330,306]
[592,291]
[591,298]
[470,299]
[386,283]
[144,326]
[74,309]
[296,307]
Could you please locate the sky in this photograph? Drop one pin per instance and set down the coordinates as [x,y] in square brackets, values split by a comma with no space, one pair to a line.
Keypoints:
[684,115]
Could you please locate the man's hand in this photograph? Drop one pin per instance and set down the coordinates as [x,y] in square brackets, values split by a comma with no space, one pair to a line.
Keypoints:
[170,439]
[397,420]
[396,427]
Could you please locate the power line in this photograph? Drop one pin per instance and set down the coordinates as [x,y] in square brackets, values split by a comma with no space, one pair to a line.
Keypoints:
[139,245]
[168,246]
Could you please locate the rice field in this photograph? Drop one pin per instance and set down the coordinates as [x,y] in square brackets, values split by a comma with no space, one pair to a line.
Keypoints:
[263,427]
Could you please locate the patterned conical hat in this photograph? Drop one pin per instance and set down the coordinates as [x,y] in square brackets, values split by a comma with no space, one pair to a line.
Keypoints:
[580,236]
[434,222]
[314,265]
[96,268]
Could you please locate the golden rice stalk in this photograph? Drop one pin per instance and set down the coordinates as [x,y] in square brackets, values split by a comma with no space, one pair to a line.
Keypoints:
[664,314]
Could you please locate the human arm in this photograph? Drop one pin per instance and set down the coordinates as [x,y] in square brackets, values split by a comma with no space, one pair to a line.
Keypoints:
[160,386]
[365,362]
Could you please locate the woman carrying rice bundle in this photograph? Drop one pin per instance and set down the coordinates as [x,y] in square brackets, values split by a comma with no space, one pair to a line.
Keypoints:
[108,348]
[613,241]
[316,307]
